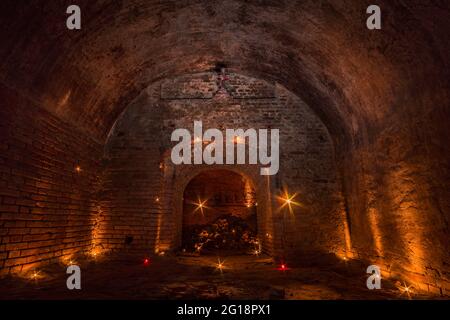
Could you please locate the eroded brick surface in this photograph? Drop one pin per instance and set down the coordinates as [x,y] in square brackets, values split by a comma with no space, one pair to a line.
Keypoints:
[142,141]
[47,204]
[383,97]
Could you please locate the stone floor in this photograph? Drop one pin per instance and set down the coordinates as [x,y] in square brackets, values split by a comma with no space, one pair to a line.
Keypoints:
[182,277]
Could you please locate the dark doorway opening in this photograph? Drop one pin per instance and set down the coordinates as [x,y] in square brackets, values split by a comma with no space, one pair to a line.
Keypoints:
[220,214]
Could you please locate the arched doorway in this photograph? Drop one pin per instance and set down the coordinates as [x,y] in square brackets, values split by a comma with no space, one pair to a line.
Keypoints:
[220,214]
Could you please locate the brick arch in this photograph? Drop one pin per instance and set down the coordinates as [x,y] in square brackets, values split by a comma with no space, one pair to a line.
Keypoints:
[373,93]
[181,175]
[139,192]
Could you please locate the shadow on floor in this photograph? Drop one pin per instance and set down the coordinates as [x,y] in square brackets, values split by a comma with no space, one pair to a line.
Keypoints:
[206,277]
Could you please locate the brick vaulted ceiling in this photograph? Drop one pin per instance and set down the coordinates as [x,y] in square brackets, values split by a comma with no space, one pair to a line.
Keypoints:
[355,80]
[382,94]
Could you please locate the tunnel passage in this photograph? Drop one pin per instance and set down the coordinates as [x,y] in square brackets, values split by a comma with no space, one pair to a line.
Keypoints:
[143,188]
[382,97]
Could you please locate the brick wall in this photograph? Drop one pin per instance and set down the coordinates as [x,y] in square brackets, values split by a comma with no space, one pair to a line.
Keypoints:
[46,204]
[141,185]
[57,200]
[398,205]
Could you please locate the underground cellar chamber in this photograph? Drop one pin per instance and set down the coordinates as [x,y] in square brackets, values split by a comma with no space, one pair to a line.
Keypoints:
[86,120]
